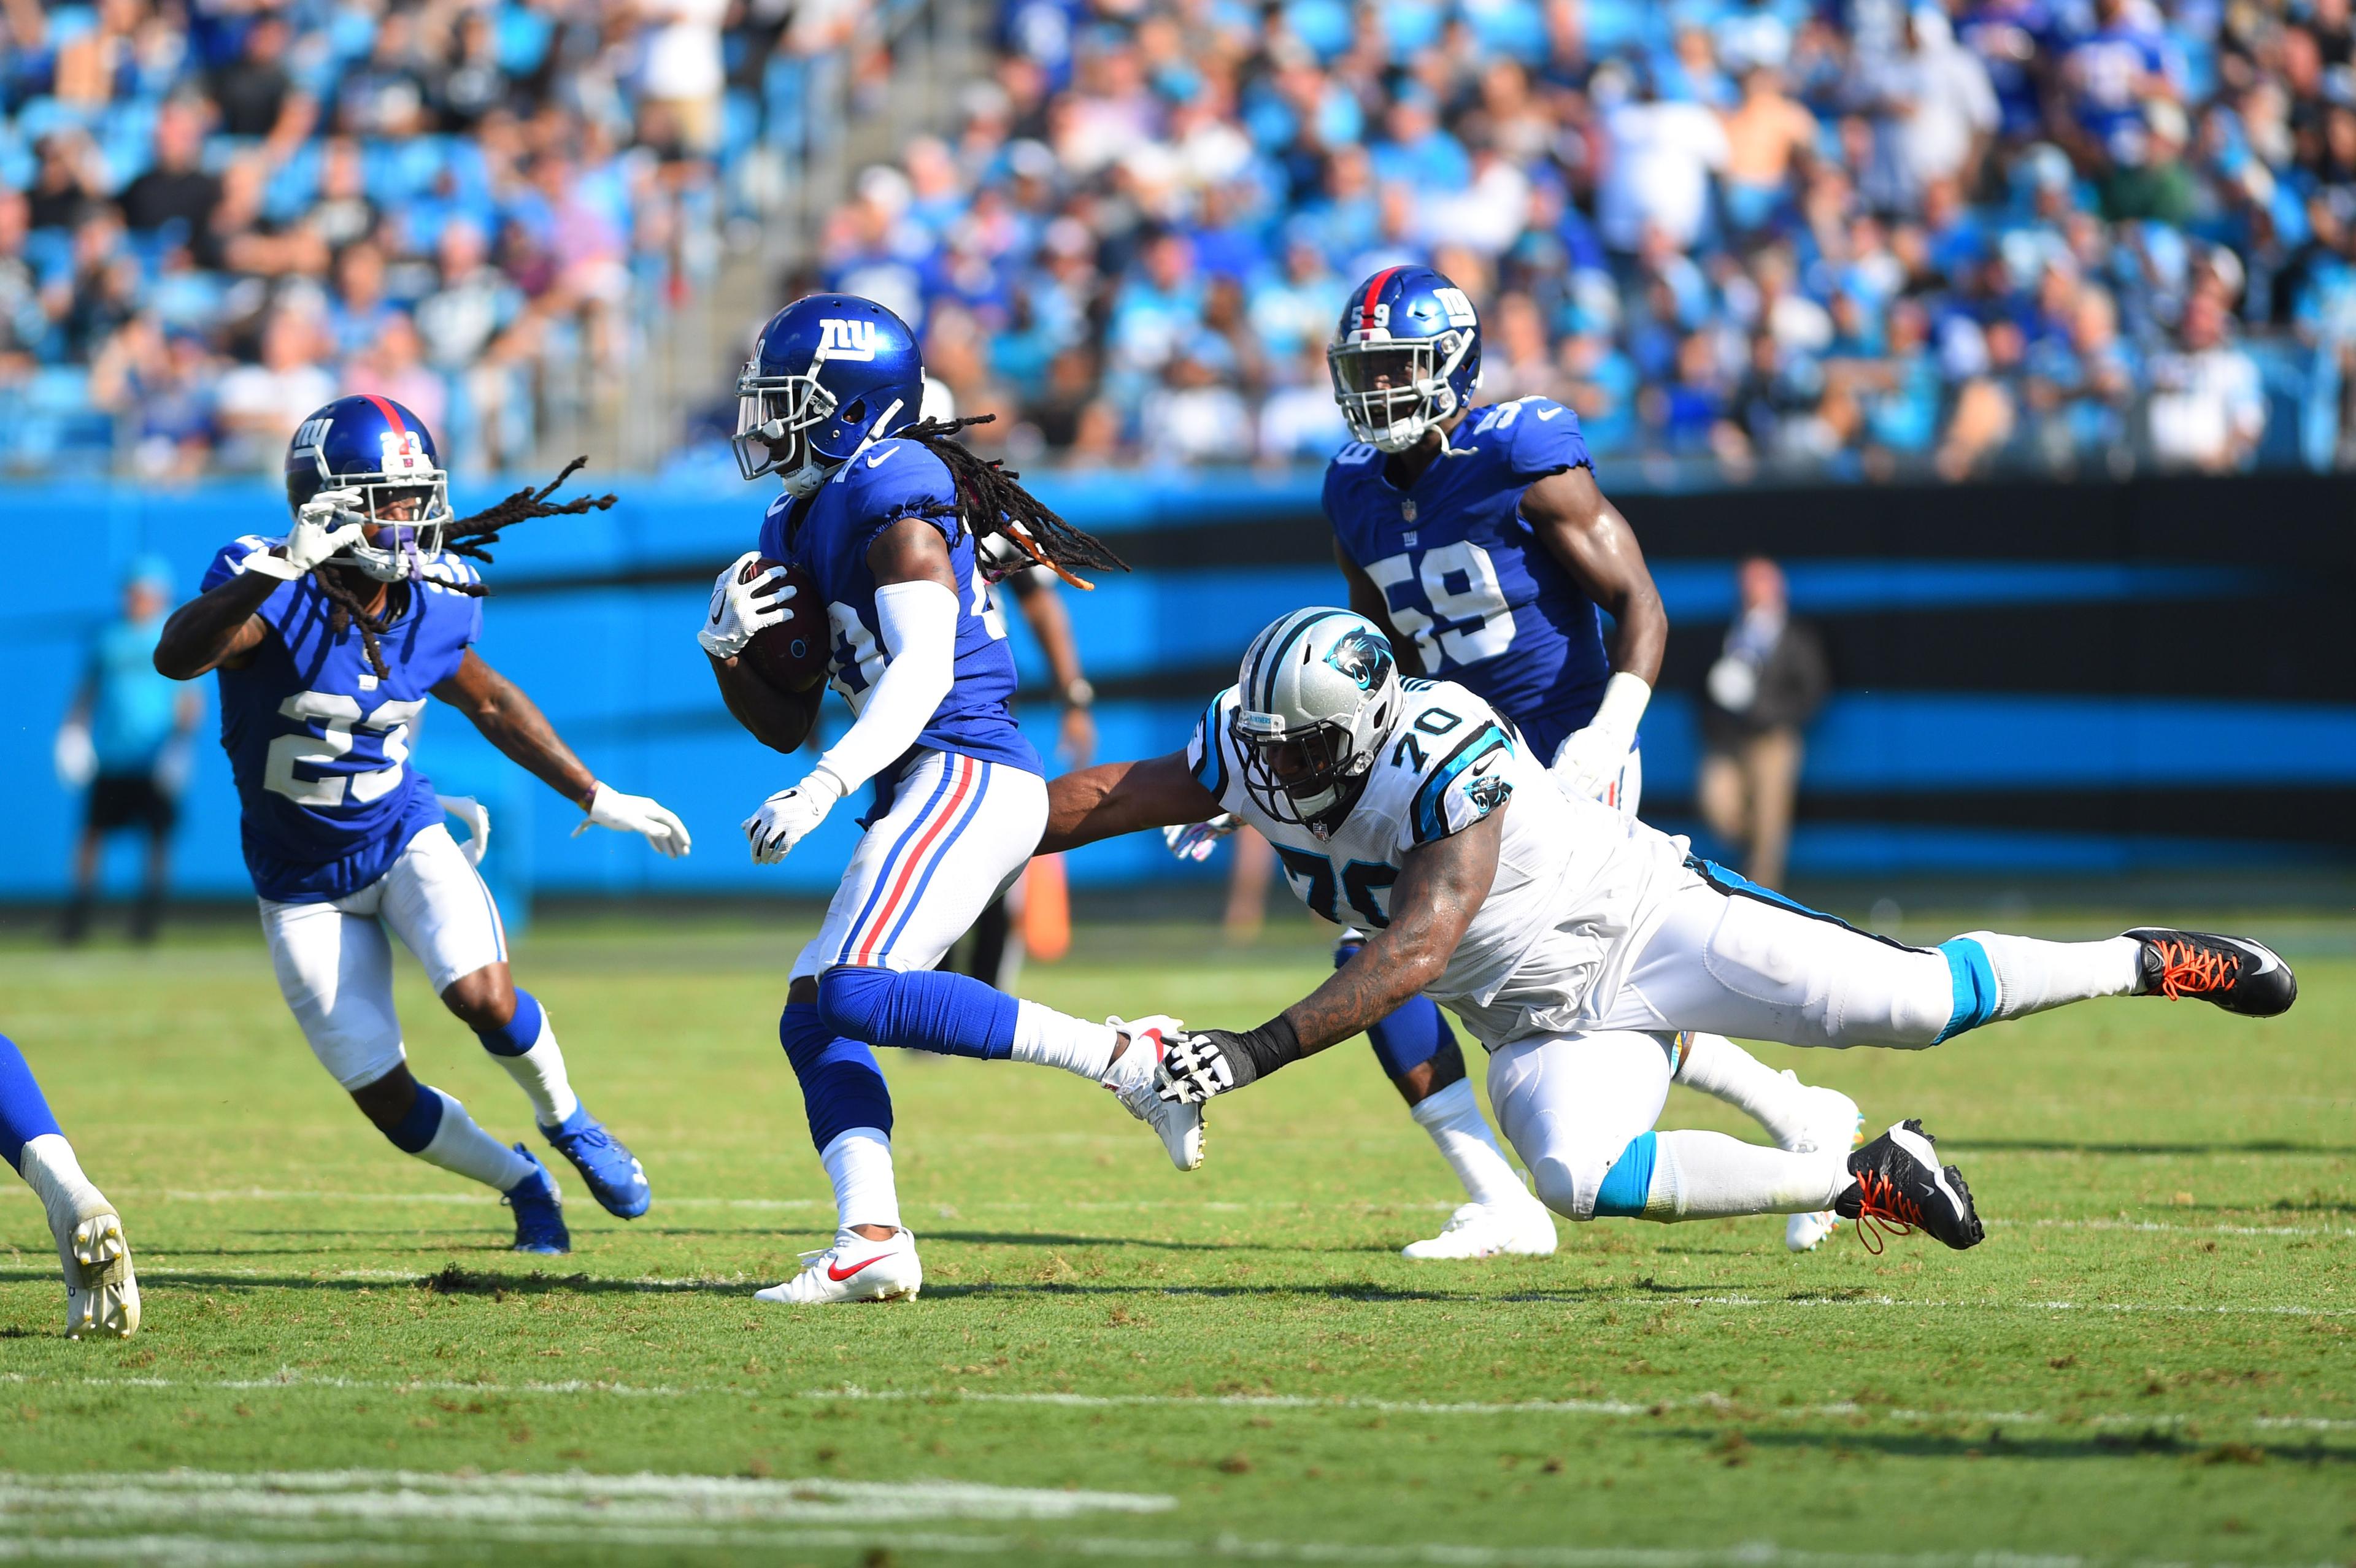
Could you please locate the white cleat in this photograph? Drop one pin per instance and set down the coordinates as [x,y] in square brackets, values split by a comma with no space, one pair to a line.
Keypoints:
[102,1294]
[1181,1126]
[1488,1230]
[1835,1126]
[854,1269]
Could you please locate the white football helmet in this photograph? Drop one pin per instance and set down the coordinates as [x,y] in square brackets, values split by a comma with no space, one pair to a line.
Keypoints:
[1317,697]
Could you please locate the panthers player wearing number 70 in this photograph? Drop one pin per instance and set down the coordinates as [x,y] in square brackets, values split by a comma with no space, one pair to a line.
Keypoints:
[879,520]
[1579,944]
[1478,540]
[327,641]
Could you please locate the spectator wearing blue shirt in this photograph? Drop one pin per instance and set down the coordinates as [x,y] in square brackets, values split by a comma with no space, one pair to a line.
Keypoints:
[127,738]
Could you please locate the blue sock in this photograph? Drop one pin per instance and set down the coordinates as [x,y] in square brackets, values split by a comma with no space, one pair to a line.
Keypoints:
[419,1123]
[955,1015]
[24,1114]
[1411,1036]
[522,1033]
[842,1086]
[1630,1179]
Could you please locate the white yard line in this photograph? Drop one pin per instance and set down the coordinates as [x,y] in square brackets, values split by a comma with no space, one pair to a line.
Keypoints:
[1716,1405]
[675,1513]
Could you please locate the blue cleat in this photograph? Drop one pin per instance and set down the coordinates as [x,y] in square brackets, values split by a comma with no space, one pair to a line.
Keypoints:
[617,1181]
[538,1210]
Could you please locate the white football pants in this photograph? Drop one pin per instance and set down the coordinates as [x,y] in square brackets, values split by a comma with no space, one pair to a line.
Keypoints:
[335,967]
[959,831]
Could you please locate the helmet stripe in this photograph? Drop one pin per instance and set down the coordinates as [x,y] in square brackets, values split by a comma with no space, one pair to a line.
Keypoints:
[1273,665]
[1373,295]
[391,410]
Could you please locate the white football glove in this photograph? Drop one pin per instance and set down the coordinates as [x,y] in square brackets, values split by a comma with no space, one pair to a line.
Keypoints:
[636,814]
[471,812]
[1195,840]
[1589,759]
[75,758]
[327,523]
[741,609]
[791,816]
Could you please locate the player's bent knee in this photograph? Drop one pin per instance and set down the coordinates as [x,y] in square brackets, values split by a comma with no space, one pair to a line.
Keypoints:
[1587,1184]
[484,998]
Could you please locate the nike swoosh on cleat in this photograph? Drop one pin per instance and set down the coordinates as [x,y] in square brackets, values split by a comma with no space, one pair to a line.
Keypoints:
[840,1275]
[2268,962]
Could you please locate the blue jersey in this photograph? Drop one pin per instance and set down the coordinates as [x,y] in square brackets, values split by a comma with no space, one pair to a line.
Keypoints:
[319,745]
[828,535]
[1467,579]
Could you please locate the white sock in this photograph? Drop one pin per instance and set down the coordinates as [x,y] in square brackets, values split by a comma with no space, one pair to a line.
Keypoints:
[1453,1119]
[859,1162]
[1708,1176]
[2032,976]
[460,1145]
[1717,1067]
[540,1073]
[55,1176]
[1050,1038]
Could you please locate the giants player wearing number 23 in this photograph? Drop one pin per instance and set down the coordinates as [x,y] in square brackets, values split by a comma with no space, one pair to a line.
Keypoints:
[329,640]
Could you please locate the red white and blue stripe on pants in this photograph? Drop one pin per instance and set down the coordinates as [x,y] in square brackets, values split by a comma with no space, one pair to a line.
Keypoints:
[907,871]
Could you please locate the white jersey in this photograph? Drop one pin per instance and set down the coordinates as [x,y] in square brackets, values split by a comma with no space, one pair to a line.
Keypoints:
[1576,879]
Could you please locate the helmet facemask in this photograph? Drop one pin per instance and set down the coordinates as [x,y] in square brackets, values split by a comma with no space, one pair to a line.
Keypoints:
[1392,391]
[404,507]
[775,415]
[1298,775]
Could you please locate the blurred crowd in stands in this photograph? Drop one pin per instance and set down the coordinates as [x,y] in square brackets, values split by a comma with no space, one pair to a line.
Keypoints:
[216,214]
[1737,236]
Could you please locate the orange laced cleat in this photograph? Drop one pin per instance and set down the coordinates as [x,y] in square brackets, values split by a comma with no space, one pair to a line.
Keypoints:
[1901,1187]
[2231,972]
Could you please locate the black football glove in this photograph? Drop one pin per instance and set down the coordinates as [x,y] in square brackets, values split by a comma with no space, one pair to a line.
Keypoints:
[1197,1066]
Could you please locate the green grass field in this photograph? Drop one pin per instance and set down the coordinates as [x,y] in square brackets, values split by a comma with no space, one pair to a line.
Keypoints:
[2153,1358]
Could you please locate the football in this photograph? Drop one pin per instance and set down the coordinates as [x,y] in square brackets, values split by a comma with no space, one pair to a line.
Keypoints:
[791,654]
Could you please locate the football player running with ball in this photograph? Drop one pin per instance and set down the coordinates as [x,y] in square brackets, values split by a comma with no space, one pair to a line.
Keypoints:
[1577,944]
[874,537]
[327,641]
[1478,540]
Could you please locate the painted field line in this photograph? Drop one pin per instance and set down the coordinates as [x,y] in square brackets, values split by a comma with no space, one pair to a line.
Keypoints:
[197,1551]
[2181,1230]
[1716,1404]
[411,1498]
[945,1211]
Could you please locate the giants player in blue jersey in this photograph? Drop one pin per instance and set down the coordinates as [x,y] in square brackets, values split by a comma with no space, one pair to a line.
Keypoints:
[327,641]
[101,1294]
[1478,540]
[882,510]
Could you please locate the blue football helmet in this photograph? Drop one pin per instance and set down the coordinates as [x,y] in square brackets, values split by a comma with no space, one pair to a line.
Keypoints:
[376,447]
[828,373]
[1406,355]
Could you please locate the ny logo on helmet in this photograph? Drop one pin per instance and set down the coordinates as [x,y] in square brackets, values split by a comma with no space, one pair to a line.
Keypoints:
[839,339]
[404,451]
[1363,657]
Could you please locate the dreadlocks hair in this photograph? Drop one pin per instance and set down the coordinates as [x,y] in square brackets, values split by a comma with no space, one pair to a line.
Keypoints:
[991,502]
[470,536]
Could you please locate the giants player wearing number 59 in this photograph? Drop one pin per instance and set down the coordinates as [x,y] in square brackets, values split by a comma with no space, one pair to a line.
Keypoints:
[1478,540]
[329,640]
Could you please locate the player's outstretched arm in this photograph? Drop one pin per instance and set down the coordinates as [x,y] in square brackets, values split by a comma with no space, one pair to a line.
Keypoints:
[1441,887]
[514,723]
[216,627]
[1114,799]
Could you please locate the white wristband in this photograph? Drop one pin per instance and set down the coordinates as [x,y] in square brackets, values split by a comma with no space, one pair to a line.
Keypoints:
[1623,708]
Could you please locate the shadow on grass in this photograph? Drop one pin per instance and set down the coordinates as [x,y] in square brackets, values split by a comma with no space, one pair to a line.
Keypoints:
[2063,1145]
[1730,1442]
